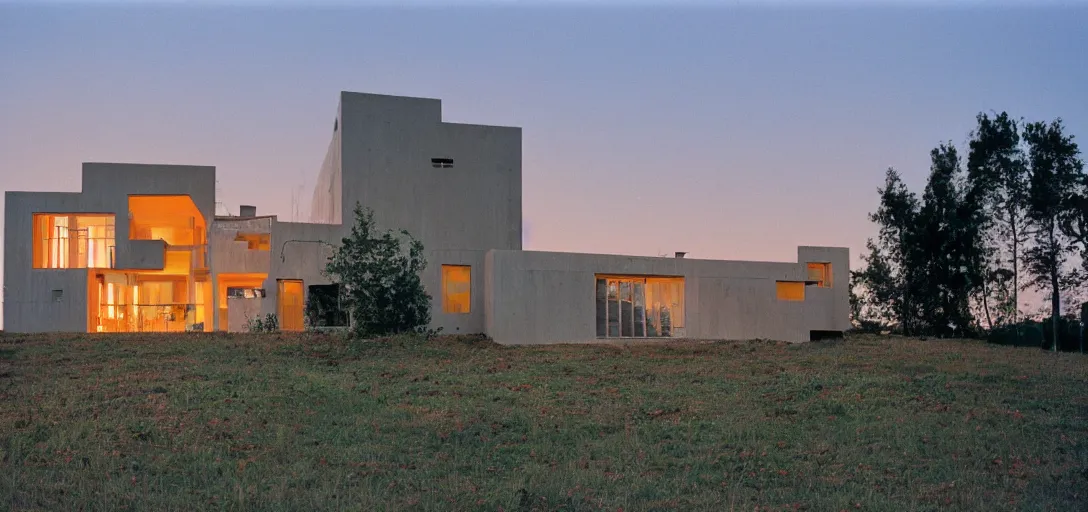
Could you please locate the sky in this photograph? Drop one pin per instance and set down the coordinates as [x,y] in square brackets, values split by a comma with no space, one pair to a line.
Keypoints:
[728,132]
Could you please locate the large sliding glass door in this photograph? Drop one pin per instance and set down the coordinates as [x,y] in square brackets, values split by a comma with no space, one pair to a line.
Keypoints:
[639,307]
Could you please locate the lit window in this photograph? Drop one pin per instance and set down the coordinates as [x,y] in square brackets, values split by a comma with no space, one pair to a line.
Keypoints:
[790,290]
[456,288]
[237,292]
[820,273]
[73,240]
[173,219]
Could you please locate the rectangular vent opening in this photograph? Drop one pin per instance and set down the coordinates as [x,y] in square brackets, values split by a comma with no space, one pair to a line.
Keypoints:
[441,163]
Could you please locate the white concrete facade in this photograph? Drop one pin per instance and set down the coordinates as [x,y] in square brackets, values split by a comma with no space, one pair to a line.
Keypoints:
[456,188]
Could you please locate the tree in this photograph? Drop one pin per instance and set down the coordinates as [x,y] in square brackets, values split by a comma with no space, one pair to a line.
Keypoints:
[1075,225]
[1020,214]
[880,303]
[380,284]
[997,181]
[946,248]
[888,279]
[1056,173]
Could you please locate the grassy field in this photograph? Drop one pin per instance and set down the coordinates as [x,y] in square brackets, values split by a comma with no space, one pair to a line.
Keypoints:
[310,422]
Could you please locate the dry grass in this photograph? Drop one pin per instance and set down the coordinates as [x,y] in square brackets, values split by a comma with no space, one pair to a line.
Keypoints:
[310,422]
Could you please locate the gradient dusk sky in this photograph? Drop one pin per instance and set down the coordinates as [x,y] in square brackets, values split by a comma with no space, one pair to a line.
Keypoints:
[735,133]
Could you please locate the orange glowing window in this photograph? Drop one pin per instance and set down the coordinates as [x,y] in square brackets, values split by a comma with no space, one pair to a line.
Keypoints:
[257,241]
[790,290]
[73,240]
[456,288]
[174,219]
[820,273]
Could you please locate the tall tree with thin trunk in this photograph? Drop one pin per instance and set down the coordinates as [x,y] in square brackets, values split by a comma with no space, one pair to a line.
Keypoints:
[947,248]
[880,303]
[997,180]
[1056,172]
[890,279]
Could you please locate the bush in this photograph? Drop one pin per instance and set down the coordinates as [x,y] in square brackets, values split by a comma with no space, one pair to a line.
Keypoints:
[1039,334]
[267,324]
[380,284]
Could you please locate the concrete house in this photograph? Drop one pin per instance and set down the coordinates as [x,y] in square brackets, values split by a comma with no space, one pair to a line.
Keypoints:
[141,249]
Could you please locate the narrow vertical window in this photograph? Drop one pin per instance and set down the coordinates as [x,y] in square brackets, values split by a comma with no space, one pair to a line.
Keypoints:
[602,313]
[290,303]
[456,288]
[639,308]
[613,308]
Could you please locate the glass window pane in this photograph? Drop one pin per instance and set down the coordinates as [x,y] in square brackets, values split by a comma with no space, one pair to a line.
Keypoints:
[653,325]
[639,290]
[677,316]
[626,310]
[602,307]
[613,309]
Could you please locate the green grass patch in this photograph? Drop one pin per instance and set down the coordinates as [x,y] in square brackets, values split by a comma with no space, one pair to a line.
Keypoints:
[312,422]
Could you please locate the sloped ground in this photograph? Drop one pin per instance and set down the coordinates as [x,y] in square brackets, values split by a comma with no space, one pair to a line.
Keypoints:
[309,422]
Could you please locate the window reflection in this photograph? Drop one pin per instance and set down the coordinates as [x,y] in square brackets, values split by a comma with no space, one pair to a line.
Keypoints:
[638,307]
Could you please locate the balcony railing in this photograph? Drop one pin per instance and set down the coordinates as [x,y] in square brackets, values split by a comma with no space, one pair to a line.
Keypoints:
[152,317]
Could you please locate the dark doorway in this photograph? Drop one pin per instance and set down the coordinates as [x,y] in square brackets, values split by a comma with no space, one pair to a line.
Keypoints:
[323,308]
[824,335]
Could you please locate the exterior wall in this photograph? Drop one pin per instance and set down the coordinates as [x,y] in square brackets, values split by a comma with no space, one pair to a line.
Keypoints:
[229,256]
[458,213]
[387,144]
[548,297]
[456,323]
[828,309]
[326,206]
[106,187]
[241,311]
[28,305]
[299,251]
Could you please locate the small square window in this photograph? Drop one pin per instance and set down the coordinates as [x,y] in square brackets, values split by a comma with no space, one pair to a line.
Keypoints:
[57,295]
